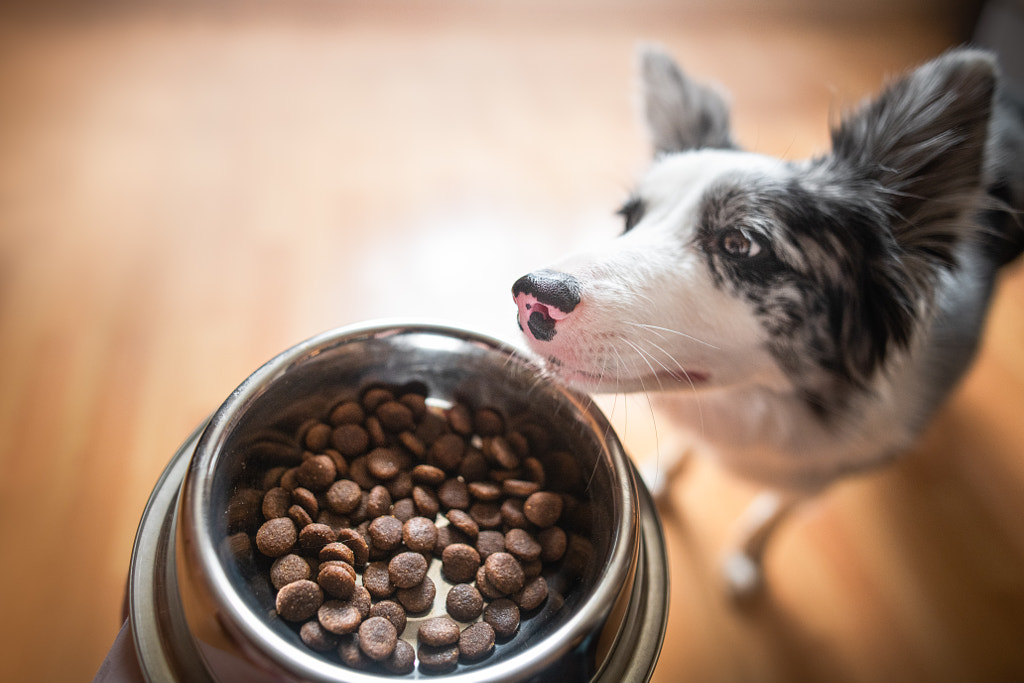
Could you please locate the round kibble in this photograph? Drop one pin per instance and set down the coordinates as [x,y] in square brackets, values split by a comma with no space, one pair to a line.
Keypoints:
[377,638]
[316,536]
[350,440]
[344,496]
[488,542]
[347,412]
[386,532]
[488,422]
[519,487]
[553,542]
[419,598]
[504,572]
[476,641]
[487,515]
[407,569]
[543,508]
[486,491]
[377,580]
[316,473]
[453,493]
[288,568]
[317,437]
[393,612]
[378,502]
[316,637]
[503,615]
[339,617]
[474,467]
[307,499]
[402,661]
[446,535]
[413,443]
[395,416]
[299,600]
[438,631]
[460,419]
[351,655]
[461,520]
[336,551]
[383,463]
[357,544]
[512,514]
[400,486]
[361,600]
[298,514]
[464,602]
[404,509]
[500,453]
[419,535]
[438,659]
[375,396]
[426,502]
[276,536]
[460,562]
[522,544]
[446,453]
[483,584]
[428,474]
[276,502]
[338,580]
[532,595]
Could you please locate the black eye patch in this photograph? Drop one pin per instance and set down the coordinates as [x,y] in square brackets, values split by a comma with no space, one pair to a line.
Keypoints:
[632,211]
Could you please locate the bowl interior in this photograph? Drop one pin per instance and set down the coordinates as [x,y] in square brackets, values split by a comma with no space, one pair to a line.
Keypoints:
[252,429]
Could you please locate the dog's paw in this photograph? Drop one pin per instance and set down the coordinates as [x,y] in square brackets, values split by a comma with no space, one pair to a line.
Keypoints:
[743,576]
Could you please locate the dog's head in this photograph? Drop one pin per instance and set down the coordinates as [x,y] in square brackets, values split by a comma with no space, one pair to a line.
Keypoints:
[734,267]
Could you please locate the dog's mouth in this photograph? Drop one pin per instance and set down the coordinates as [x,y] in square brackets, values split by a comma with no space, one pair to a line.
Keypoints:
[663,380]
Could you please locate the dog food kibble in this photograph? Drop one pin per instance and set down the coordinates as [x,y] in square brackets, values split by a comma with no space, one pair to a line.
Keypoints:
[438,631]
[299,600]
[385,494]
[476,641]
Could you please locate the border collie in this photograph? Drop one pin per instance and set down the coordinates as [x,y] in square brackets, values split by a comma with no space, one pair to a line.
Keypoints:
[800,320]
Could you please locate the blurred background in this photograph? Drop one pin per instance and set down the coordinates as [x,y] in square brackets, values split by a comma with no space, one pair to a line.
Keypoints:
[188,188]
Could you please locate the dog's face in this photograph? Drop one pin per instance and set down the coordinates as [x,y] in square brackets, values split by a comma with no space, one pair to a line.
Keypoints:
[736,268]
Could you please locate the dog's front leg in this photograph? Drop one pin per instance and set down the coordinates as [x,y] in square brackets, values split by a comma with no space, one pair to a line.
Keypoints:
[743,565]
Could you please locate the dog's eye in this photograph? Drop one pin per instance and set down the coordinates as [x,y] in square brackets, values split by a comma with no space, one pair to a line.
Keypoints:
[739,243]
[632,211]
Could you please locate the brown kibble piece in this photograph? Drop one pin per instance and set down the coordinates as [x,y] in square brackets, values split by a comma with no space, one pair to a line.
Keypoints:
[395,416]
[276,536]
[476,641]
[357,544]
[512,514]
[500,453]
[522,544]
[461,520]
[316,536]
[338,580]
[377,638]
[407,569]
[426,502]
[453,493]
[419,535]
[503,615]
[317,437]
[344,496]
[316,473]
[483,584]
[377,579]
[385,532]
[299,600]
[351,655]
[553,542]
[347,412]
[543,508]
[446,452]
[464,602]
[288,568]
[486,491]
[428,474]
[351,440]
[276,502]
[488,542]
[419,598]
[384,463]
[404,509]
[375,396]
[488,422]
[438,659]
[402,661]
[460,419]
[504,572]
[532,595]
[316,637]
[298,514]
[437,631]
[519,488]
[487,515]
[460,562]
[378,502]
[339,617]
[337,551]
[392,611]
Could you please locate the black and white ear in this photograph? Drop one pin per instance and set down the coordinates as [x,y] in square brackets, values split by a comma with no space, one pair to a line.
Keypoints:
[923,140]
[681,114]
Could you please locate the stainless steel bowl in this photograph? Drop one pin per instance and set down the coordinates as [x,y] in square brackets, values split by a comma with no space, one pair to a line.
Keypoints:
[196,615]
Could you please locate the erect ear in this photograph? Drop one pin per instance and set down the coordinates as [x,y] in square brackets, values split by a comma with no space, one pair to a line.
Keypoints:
[681,114]
[923,140]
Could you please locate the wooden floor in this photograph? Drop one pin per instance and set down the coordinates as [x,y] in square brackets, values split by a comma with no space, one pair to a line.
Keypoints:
[184,193]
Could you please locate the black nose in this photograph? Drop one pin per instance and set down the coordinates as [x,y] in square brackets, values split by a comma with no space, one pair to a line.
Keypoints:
[559,290]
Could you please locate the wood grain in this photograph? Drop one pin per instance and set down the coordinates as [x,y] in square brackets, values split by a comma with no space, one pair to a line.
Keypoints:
[187,190]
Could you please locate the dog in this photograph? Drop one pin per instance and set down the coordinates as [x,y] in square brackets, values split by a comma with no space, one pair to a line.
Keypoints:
[800,320]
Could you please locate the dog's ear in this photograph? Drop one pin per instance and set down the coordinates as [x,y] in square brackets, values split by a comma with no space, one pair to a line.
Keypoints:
[681,114]
[922,140]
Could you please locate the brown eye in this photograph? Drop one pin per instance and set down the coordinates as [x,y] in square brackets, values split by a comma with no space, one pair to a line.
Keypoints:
[739,244]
